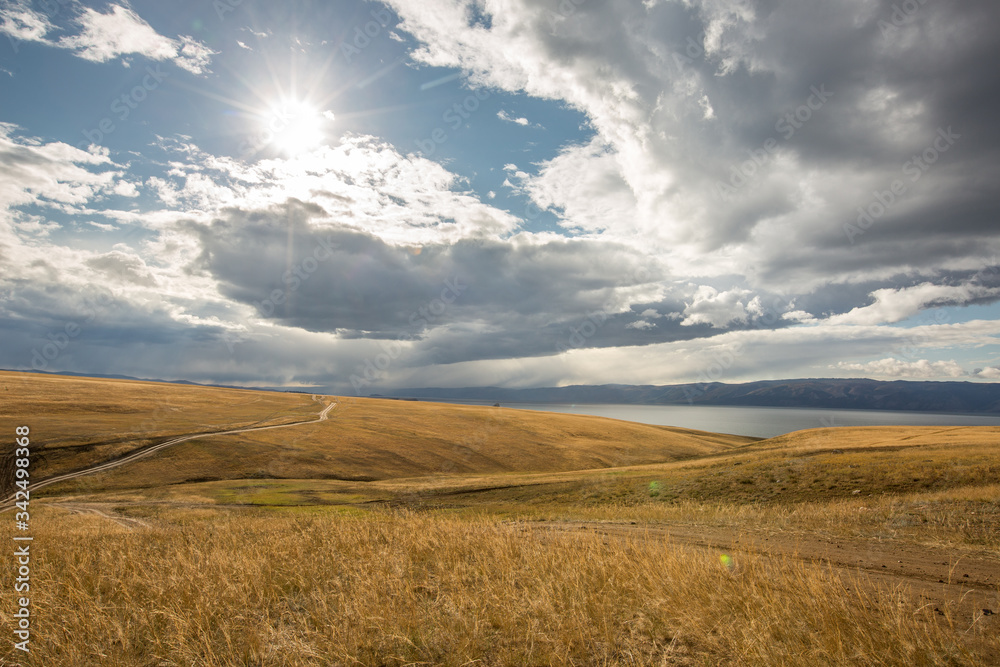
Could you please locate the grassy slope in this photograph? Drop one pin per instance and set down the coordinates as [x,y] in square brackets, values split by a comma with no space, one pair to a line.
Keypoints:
[79,421]
[209,588]
[322,581]
[364,439]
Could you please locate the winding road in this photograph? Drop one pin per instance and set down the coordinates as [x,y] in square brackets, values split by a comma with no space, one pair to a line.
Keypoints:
[101,467]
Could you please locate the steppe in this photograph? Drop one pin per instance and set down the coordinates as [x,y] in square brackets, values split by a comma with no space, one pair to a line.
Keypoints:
[301,529]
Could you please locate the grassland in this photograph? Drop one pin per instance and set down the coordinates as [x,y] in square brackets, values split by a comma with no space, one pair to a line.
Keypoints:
[399,533]
[86,420]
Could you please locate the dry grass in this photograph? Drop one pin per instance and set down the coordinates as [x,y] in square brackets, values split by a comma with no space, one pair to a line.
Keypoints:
[76,422]
[370,439]
[918,484]
[966,519]
[209,588]
[316,569]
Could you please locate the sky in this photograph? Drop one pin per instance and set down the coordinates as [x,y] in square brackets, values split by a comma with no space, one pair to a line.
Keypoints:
[368,196]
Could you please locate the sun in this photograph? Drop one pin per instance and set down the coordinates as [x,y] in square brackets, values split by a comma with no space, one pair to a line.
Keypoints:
[296,127]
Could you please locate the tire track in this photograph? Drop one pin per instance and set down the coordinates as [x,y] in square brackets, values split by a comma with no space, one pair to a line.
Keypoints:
[7,503]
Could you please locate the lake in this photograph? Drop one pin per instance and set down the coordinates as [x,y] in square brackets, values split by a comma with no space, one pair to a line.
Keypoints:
[753,421]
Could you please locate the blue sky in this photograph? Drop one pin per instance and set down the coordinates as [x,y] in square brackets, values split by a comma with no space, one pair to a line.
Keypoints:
[366,196]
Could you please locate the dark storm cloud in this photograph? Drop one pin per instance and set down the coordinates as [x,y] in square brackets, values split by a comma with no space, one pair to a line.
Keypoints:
[835,100]
[328,277]
[473,299]
[897,76]
[53,326]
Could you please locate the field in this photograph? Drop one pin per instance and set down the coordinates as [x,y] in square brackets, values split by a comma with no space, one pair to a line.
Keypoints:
[406,533]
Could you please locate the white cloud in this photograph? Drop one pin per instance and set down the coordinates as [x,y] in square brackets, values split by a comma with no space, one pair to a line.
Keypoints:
[20,21]
[193,56]
[798,316]
[672,90]
[102,37]
[640,325]
[895,368]
[120,32]
[709,306]
[503,115]
[125,189]
[584,184]
[896,305]
[735,356]
[124,265]
[50,174]
[363,182]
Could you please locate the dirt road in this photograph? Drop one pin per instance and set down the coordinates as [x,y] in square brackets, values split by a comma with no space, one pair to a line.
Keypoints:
[6,504]
[961,585]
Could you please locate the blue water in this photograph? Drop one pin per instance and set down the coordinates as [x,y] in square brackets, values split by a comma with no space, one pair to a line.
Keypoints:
[756,422]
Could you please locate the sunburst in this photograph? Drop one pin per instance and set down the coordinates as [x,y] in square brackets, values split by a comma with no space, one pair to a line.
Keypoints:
[295,127]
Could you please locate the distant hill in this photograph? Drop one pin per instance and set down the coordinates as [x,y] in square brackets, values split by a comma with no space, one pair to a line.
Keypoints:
[113,376]
[843,394]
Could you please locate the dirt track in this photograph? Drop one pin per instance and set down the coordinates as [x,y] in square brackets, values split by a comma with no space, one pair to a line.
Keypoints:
[958,584]
[7,503]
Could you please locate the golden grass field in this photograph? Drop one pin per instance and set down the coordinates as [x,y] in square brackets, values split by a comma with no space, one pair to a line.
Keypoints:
[405,533]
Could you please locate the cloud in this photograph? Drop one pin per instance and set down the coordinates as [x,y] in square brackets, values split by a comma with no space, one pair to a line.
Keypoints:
[584,185]
[331,277]
[734,356]
[685,96]
[894,368]
[20,21]
[123,265]
[365,182]
[504,116]
[717,309]
[805,110]
[896,305]
[104,36]
[50,174]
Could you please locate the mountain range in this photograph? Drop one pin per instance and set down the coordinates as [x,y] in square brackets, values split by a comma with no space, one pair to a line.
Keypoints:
[843,394]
